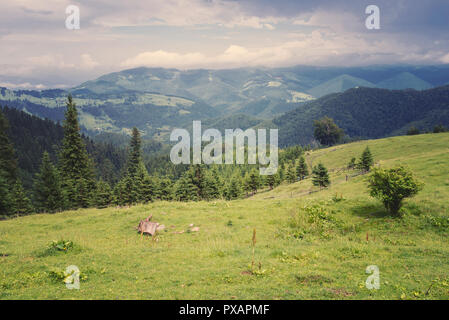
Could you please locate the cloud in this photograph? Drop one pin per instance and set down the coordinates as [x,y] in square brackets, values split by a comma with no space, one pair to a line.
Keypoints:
[445,58]
[87,62]
[25,85]
[321,47]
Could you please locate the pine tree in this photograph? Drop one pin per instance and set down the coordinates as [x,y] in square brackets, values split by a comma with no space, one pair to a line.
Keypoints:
[211,187]
[218,180]
[164,188]
[197,174]
[291,174]
[246,184]
[103,194]
[185,189]
[254,181]
[301,170]
[75,166]
[5,196]
[137,183]
[118,193]
[135,153]
[147,191]
[281,172]
[320,176]
[48,195]
[366,160]
[8,161]
[272,180]
[234,188]
[21,204]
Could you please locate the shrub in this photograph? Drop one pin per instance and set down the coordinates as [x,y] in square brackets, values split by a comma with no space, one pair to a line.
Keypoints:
[313,220]
[392,186]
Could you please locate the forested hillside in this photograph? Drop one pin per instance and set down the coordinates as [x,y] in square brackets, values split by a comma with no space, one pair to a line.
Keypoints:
[368,113]
[32,136]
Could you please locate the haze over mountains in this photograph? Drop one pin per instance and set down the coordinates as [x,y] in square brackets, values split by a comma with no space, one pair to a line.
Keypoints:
[156,100]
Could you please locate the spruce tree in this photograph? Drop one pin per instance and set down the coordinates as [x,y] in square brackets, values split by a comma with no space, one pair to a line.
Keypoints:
[272,180]
[135,153]
[320,176]
[118,193]
[164,188]
[291,174]
[74,163]
[211,187]
[246,184]
[366,160]
[254,181]
[103,194]
[137,183]
[215,175]
[147,189]
[8,161]
[5,196]
[234,188]
[185,189]
[301,170]
[21,204]
[281,172]
[48,195]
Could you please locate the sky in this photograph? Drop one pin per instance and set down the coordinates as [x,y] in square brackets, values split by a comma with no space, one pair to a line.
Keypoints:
[38,51]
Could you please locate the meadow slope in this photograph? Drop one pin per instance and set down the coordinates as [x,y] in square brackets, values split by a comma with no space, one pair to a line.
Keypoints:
[309,245]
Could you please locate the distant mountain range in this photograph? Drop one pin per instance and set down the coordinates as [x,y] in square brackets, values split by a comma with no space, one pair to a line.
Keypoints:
[156,100]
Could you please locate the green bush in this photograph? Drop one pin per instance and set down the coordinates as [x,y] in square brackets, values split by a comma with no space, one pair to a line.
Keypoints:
[392,186]
[313,220]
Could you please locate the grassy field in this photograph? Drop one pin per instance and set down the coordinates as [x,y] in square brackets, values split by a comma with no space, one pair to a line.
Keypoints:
[308,246]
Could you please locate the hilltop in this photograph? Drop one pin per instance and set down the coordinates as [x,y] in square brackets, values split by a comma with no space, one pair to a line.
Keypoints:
[315,245]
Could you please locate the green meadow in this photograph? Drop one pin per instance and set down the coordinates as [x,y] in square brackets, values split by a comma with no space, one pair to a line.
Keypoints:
[309,243]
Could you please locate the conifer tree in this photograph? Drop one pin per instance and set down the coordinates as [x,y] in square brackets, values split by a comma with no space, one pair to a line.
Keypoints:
[281,172]
[320,176]
[164,188]
[8,161]
[5,196]
[185,189]
[234,188]
[366,160]
[48,195]
[215,175]
[20,203]
[301,169]
[291,174]
[75,166]
[246,184]
[254,181]
[272,180]
[211,187]
[197,174]
[119,194]
[148,189]
[103,195]
[135,153]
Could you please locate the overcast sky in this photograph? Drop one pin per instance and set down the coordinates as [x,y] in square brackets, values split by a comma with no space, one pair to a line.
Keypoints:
[38,51]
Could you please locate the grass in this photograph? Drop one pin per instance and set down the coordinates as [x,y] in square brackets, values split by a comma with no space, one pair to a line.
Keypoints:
[309,246]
